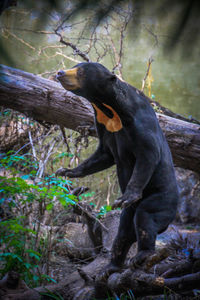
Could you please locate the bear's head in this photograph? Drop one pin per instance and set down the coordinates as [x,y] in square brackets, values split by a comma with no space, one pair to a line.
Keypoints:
[90,80]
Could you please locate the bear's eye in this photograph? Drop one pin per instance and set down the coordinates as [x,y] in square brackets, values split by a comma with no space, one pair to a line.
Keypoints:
[80,72]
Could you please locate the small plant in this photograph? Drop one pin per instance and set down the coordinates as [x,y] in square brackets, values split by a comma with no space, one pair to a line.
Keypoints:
[23,247]
[52,295]
[103,210]
[15,253]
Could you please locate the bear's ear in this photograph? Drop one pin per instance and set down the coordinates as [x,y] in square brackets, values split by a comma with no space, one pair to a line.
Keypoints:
[112,77]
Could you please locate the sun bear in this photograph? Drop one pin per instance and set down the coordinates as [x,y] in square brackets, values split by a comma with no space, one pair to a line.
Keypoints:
[129,137]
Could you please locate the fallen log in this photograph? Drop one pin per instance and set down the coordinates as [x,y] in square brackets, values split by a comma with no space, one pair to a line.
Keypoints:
[80,285]
[147,280]
[184,141]
[45,100]
[147,284]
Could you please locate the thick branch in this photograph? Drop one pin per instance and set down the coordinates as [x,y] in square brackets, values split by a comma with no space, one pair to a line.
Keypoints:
[46,100]
[147,284]
[184,141]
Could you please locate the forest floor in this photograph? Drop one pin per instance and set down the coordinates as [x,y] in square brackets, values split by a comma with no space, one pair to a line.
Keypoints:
[73,251]
[60,265]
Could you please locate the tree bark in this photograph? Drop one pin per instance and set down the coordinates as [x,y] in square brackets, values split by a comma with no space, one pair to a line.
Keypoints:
[45,100]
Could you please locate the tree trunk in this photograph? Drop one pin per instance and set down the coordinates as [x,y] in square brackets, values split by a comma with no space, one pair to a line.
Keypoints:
[45,100]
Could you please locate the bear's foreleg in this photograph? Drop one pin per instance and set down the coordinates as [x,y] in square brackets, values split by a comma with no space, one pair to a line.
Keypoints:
[98,161]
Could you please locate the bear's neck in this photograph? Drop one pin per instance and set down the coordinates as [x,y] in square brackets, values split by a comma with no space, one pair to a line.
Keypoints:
[112,124]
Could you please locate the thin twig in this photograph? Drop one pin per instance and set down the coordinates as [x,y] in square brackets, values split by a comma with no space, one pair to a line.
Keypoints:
[150,60]
[43,164]
[68,57]
[65,138]
[153,34]
[20,40]
[27,30]
[31,141]
[93,217]
[74,47]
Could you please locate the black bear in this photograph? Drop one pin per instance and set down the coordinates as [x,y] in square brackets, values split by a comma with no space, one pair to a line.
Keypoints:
[130,137]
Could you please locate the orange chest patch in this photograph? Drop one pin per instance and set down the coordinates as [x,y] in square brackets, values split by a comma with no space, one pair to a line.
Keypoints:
[113,124]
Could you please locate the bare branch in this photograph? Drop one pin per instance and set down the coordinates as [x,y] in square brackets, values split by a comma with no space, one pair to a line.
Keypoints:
[74,47]
[20,40]
[65,138]
[27,30]
[92,216]
[153,34]
[150,60]
[31,141]
[118,54]
[68,57]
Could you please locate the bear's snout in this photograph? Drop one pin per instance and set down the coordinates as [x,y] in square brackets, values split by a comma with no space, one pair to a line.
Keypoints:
[60,73]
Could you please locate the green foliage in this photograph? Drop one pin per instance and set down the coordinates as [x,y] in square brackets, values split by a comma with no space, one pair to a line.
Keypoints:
[5,113]
[103,210]
[14,163]
[21,247]
[62,155]
[52,295]
[48,187]
[87,195]
[15,253]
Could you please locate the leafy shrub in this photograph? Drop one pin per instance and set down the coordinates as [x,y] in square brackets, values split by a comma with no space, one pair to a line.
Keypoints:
[21,244]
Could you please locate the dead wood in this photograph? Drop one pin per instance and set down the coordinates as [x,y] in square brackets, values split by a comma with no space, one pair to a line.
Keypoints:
[45,100]
[163,271]
[12,287]
[79,285]
[15,131]
[144,284]
[94,225]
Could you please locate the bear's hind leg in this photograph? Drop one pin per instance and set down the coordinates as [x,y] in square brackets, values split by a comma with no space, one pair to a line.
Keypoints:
[146,232]
[126,236]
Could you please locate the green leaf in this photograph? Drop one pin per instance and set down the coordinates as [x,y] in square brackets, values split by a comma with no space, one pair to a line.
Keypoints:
[36,278]
[90,194]
[2,200]
[25,177]
[72,197]
[49,206]
[104,209]
[28,266]
[12,255]
[33,253]
[62,201]
[10,152]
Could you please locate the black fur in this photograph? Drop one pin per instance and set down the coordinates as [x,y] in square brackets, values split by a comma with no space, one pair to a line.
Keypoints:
[142,157]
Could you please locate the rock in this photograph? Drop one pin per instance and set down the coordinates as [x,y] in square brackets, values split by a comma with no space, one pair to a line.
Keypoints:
[75,242]
[189,188]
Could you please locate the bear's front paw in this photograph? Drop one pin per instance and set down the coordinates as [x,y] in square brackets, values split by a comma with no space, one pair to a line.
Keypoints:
[129,198]
[64,172]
